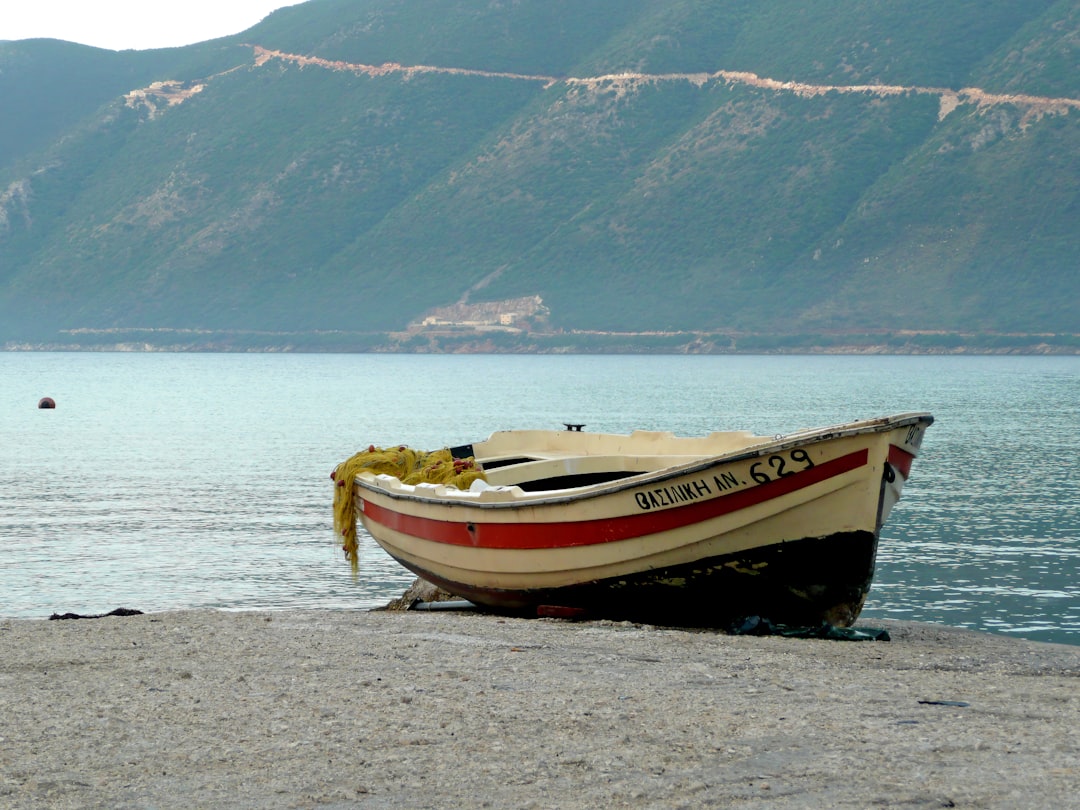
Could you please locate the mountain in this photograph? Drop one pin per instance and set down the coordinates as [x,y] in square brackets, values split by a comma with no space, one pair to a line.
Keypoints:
[744,171]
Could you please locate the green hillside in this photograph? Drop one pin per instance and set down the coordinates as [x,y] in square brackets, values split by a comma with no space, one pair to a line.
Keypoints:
[737,170]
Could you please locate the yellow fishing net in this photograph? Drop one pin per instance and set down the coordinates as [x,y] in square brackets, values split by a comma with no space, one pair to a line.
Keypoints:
[408,465]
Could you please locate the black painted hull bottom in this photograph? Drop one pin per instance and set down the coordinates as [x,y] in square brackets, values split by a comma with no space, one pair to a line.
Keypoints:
[802,583]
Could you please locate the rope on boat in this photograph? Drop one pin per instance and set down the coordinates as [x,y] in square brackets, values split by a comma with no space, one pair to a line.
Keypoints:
[408,466]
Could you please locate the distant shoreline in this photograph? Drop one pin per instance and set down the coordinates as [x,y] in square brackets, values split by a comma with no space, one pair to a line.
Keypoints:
[511,341]
[853,351]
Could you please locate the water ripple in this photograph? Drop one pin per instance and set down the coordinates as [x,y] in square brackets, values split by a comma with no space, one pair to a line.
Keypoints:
[175,481]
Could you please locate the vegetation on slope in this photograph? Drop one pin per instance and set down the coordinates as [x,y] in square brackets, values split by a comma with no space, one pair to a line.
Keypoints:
[704,165]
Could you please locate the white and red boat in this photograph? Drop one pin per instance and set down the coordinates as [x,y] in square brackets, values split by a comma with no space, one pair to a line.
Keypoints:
[652,527]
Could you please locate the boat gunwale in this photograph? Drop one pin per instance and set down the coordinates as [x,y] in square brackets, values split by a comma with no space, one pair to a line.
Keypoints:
[782,442]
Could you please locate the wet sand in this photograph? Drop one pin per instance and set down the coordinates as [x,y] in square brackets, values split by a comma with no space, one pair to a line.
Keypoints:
[323,709]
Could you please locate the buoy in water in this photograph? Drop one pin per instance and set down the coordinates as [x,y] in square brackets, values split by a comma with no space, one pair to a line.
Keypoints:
[47,402]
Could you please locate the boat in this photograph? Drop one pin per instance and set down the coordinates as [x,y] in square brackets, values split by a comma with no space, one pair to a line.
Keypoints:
[650,527]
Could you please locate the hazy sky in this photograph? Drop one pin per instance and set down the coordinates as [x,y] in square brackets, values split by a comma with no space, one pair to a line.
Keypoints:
[139,24]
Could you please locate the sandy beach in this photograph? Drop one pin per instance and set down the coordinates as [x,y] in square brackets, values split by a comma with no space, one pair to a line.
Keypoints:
[456,709]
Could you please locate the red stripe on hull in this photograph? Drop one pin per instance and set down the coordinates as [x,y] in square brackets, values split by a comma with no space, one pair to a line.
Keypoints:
[604,530]
[901,460]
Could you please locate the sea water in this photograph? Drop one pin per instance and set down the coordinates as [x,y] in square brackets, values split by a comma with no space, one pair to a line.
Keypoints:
[165,481]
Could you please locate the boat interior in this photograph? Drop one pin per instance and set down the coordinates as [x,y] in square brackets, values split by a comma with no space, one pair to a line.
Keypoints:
[548,460]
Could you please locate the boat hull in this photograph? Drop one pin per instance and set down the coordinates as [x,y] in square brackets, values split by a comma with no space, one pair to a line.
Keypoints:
[783,528]
[801,583]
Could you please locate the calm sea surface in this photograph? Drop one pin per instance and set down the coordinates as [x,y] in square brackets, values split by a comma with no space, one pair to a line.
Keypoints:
[166,481]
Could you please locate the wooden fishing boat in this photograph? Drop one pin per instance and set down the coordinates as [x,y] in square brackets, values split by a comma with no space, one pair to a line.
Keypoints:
[651,527]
